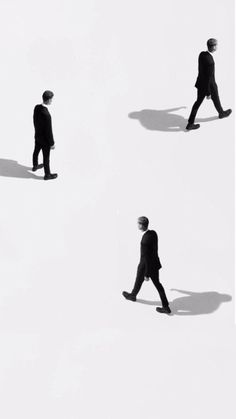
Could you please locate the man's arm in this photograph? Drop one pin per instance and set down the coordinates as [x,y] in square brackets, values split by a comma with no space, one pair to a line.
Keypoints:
[209,72]
[48,128]
[149,243]
[145,254]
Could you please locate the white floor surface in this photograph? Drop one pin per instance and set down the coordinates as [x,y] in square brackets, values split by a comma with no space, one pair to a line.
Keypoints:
[71,346]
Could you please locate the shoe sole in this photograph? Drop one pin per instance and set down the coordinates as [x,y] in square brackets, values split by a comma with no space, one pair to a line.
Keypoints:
[225,116]
[127,298]
[163,312]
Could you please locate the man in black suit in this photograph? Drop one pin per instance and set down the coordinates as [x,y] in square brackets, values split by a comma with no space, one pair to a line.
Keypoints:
[149,266]
[206,84]
[43,135]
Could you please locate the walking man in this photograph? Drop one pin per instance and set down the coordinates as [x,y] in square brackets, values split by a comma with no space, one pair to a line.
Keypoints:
[43,135]
[149,266]
[206,84]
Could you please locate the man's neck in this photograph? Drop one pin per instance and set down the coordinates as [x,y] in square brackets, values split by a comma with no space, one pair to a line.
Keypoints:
[45,105]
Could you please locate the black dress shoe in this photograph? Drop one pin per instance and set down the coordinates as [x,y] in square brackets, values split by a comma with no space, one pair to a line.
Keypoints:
[129,296]
[224,114]
[165,310]
[39,166]
[50,176]
[192,126]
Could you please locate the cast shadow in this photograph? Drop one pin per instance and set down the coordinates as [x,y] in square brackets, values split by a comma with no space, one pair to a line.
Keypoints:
[164,120]
[197,303]
[193,303]
[160,120]
[11,168]
[148,302]
[209,119]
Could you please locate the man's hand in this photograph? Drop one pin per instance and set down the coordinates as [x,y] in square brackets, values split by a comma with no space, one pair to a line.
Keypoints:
[53,147]
[209,97]
[146,278]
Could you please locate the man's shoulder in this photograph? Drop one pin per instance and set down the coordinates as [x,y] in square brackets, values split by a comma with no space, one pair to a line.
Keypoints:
[40,108]
[206,56]
[151,234]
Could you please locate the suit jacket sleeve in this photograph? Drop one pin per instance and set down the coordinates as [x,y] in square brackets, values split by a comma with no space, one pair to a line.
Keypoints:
[209,72]
[146,264]
[148,245]
[48,127]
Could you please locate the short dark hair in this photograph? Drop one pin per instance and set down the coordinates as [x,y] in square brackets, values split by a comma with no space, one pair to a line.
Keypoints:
[211,43]
[47,95]
[144,221]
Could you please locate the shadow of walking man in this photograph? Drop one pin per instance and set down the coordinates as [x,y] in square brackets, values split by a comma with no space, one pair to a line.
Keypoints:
[160,120]
[11,168]
[193,303]
[197,303]
[165,120]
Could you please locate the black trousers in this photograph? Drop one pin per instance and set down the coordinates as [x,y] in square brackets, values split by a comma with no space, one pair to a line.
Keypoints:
[46,156]
[200,97]
[155,279]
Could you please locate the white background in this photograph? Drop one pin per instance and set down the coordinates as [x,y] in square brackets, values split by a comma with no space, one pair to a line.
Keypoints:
[71,346]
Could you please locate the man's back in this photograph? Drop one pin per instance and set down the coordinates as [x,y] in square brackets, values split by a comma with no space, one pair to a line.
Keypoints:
[149,249]
[206,71]
[43,125]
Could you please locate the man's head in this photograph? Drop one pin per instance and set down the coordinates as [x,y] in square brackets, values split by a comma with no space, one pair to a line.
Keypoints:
[143,223]
[212,44]
[47,97]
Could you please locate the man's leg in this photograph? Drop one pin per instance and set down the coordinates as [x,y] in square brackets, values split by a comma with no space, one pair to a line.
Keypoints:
[37,149]
[160,289]
[200,97]
[138,282]
[137,286]
[46,159]
[216,100]
[46,163]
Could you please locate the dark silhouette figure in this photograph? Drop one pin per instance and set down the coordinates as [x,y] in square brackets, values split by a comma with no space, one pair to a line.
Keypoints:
[43,135]
[206,84]
[196,303]
[149,265]
[11,168]
[160,120]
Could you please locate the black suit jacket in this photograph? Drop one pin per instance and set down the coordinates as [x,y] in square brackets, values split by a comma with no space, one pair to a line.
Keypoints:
[206,72]
[43,126]
[149,259]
